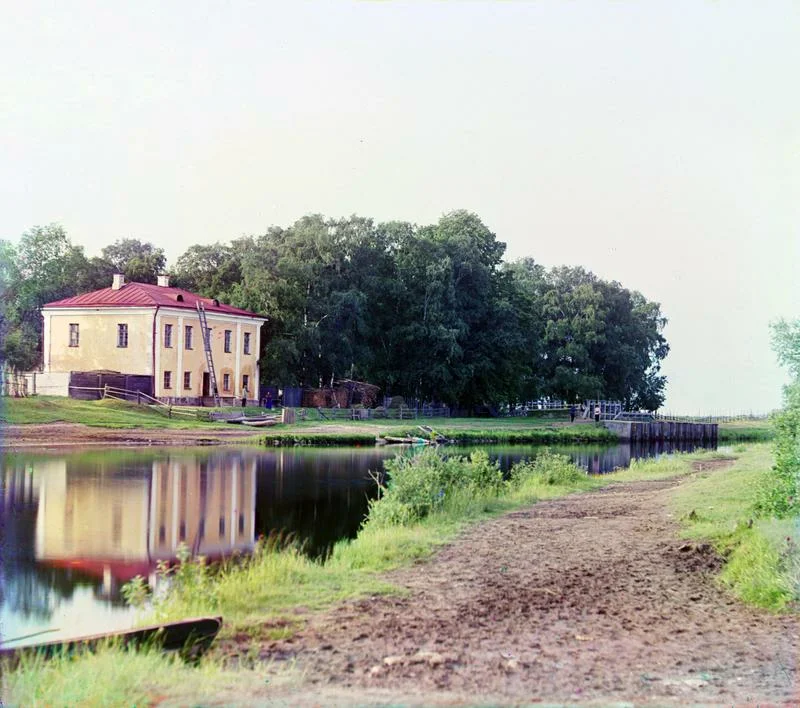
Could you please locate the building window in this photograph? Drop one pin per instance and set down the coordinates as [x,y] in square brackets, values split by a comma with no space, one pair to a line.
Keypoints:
[245,383]
[168,336]
[247,342]
[187,337]
[208,336]
[228,341]
[167,379]
[187,379]
[73,335]
[226,382]
[122,335]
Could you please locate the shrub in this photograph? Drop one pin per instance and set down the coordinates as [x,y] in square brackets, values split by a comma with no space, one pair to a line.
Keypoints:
[419,485]
[779,495]
[548,468]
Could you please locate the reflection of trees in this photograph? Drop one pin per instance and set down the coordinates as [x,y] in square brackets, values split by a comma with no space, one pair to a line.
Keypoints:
[27,590]
[317,499]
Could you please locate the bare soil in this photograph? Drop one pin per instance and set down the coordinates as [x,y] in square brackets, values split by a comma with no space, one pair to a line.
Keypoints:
[590,599]
[51,435]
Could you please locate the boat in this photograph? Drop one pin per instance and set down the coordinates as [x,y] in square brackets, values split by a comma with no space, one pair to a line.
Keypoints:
[253,420]
[260,422]
[191,637]
[408,440]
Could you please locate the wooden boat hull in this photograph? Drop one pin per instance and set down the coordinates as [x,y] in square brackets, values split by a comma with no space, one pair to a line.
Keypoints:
[260,423]
[391,440]
[192,637]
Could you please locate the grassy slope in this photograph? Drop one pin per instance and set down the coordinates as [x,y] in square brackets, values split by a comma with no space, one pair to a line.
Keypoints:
[746,430]
[118,414]
[763,564]
[106,414]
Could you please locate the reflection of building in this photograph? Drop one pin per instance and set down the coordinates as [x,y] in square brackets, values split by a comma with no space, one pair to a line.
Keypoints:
[208,507]
[116,527]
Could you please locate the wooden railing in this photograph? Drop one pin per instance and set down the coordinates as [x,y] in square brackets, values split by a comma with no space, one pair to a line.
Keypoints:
[141,398]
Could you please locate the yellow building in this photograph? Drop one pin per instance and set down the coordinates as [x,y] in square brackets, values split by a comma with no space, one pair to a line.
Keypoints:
[155,331]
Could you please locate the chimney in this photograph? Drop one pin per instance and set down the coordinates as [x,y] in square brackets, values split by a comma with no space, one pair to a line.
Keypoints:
[163,281]
[119,281]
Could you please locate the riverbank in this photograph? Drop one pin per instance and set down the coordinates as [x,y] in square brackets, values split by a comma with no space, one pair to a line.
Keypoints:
[44,421]
[589,591]
[61,422]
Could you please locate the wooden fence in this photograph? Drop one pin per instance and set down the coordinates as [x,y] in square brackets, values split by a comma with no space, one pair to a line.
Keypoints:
[401,413]
[144,399]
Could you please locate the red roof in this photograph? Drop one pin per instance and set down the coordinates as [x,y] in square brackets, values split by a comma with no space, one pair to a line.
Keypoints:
[145,295]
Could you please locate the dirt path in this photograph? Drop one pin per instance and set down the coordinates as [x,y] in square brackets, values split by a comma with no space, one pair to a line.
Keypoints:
[589,599]
[51,435]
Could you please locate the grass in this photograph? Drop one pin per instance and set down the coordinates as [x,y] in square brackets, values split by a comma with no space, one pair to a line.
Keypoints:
[469,431]
[319,439]
[746,431]
[120,414]
[115,676]
[108,413]
[763,563]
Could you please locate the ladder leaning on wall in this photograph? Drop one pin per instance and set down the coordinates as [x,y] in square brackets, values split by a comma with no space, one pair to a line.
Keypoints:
[212,376]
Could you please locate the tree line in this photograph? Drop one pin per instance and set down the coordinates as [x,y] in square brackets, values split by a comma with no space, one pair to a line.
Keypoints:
[430,312]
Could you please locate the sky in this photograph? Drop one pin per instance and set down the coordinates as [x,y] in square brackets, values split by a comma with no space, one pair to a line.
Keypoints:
[656,144]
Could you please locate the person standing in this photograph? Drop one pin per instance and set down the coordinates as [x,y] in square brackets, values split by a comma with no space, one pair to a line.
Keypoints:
[572,413]
[244,396]
[597,413]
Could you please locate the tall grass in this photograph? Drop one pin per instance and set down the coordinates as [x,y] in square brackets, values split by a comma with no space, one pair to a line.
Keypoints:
[750,431]
[114,676]
[762,556]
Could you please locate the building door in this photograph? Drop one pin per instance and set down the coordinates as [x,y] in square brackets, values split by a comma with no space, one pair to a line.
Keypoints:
[206,384]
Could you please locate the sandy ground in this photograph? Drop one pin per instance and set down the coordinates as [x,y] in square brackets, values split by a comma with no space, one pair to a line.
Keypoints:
[591,599]
[52,435]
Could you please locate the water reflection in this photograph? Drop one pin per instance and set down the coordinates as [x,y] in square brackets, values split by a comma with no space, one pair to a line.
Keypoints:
[113,521]
[595,459]
[75,528]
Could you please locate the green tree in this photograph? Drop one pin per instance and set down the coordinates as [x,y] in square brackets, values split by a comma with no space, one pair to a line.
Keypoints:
[48,267]
[139,262]
[211,271]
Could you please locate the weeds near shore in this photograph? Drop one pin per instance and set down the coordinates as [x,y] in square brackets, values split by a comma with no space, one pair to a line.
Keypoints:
[762,554]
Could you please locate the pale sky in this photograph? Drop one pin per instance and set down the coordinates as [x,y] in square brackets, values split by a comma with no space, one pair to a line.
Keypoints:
[654,143]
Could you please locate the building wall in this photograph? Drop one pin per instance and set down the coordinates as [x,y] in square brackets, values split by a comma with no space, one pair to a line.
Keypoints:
[97,341]
[178,360]
[97,348]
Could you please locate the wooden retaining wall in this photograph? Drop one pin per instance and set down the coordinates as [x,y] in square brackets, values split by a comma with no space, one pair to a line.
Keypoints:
[663,430]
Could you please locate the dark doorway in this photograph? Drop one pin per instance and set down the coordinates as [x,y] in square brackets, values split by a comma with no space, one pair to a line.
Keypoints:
[206,384]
